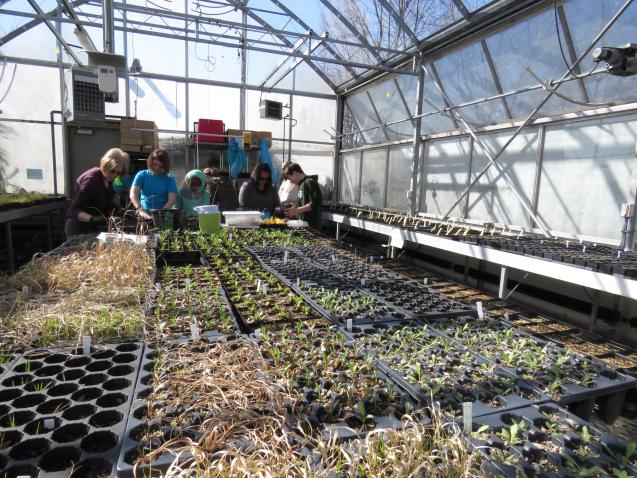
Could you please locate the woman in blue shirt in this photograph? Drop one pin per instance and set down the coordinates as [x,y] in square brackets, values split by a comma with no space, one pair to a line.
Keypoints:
[155,187]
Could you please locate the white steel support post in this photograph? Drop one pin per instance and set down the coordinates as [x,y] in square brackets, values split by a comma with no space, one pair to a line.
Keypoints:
[127,79]
[338,142]
[108,26]
[291,122]
[338,231]
[416,144]
[242,94]
[65,160]
[187,93]
[630,240]
[504,277]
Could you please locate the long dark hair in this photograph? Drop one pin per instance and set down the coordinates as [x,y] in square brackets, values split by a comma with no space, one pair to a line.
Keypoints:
[256,172]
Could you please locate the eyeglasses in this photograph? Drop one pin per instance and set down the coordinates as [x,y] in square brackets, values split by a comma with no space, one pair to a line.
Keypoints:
[264,178]
[117,172]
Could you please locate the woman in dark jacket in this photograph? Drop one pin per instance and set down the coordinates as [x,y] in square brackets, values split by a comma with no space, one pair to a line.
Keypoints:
[258,194]
[92,200]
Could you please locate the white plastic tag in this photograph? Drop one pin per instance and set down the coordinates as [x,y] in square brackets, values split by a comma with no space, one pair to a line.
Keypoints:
[363,282]
[506,317]
[333,258]
[285,257]
[264,289]
[425,281]
[467,416]
[298,282]
[194,331]
[583,249]
[371,259]
[349,325]
[86,344]
[619,254]
[48,423]
[264,243]
[187,284]
[258,285]
[257,333]
[567,243]
[480,310]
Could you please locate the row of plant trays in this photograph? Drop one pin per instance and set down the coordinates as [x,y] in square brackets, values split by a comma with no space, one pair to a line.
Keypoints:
[184,300]
[330,392]
[546,440]
[438,372]
[63,411]
[600,258]
[568,378]
[177,248]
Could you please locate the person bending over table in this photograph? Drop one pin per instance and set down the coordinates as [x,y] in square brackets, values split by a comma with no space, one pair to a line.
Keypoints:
[155,187]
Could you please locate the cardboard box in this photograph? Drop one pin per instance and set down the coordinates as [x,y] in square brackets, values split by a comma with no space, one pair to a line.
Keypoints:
[267,135]
[145,140]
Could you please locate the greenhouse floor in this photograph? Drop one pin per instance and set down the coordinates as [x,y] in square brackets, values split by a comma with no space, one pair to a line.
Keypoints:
[286,353]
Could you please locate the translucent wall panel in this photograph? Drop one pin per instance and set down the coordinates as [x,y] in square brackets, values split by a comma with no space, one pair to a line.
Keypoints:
[433,101]
[365,117]
[160,101]
[387,102]
[37,43]
[465,76]
[531,43]
[399,177]
[586,19]
[157,54]
[213,62]
[586,172]
[350,177]
[492,199]
[321,165]
[444,173]
[373,177]
[213,102]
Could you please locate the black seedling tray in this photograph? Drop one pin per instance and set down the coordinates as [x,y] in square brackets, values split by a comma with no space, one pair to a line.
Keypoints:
[464,385]
[65,412]
[551,432]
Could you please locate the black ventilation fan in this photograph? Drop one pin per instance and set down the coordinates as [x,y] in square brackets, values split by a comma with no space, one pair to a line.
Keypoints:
[271,109]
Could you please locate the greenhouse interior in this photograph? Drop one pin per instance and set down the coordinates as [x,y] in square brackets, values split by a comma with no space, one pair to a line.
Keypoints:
[318,238]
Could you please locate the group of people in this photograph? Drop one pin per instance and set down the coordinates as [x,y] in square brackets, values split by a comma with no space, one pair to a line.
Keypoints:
[156,188]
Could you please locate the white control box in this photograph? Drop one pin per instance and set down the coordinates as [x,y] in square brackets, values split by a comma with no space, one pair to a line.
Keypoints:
[107,79]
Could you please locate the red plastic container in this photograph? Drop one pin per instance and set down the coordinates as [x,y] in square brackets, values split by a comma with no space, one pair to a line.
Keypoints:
[210,126]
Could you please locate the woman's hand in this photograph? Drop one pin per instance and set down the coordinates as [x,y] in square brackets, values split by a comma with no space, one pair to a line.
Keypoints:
[143,214]
[291,211]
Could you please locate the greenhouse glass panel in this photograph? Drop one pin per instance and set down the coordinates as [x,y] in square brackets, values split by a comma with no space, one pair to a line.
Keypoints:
[30,45]
[145,47]
[365,117]
[465,76]
[399,177]
[531,44]
[444,174]
[350,177]
[373,177]
[473,5]
[160,101]
[586,174]
[434,16]
[586,19]
[491,199]
[321,165]
[433,101]
[390,107]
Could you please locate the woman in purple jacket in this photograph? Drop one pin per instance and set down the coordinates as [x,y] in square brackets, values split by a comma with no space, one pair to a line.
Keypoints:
[92,201]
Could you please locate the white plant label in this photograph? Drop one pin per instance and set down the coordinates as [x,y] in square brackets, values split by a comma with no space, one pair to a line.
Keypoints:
[467,416]
[298,282]
[425,281]
[480,309]
[187,283]
[567,243]
[371,259]
[264,243]
[194,331]
[258,285]
[86,344]
[619,254]
[506,317]
[285,257]
[349,325]
[333,258]
[583,248]
[48,423]
[363,282]
[264,289]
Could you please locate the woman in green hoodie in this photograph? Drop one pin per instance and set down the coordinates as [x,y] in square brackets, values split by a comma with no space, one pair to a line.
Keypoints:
[193,192]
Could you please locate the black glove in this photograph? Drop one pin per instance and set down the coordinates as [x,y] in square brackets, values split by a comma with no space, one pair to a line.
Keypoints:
[98,220]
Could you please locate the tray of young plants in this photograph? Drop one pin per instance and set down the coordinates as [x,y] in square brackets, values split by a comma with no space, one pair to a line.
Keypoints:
[203,405]
[334,383]
[436,370]
[563,375]
[63,411]
[177,248]
[546,440]
[186,299]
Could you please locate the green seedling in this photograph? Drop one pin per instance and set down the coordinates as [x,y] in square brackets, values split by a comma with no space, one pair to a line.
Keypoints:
[512,435]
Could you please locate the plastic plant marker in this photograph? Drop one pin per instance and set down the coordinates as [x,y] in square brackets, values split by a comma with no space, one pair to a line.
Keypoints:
[467,416]
[349,325]
[49,424]
[194,331]
[86,344]
[425,281]
[480,309]
[264,289]
[298,281]
[258,285]
[619,254]
[583,248]
[264,243]
[285,257]
[567,243]
[257,333]
[363,282]
[333,258]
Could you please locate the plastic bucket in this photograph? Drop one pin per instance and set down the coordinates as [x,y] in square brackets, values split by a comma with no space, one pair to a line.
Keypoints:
[209,219]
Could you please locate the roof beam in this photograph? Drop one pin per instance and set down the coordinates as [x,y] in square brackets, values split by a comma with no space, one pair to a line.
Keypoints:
[57,34]
[34,23]
[304,25]
[392,11]
[237,4]
[463,9]
[351,28]
[295,63]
